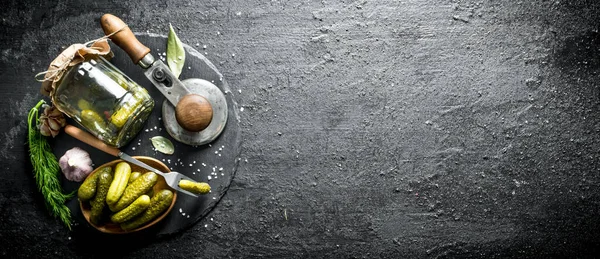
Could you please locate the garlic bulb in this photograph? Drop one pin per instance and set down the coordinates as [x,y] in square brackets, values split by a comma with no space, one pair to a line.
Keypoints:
[51,121]
[76,164]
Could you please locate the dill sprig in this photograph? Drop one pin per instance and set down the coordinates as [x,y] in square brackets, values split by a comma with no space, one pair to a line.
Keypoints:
[46,169]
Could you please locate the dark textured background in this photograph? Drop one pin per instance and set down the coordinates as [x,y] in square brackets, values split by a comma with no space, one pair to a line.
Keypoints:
[370,128]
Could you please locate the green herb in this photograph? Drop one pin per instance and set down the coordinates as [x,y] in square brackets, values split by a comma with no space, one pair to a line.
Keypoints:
[175,52]
[46,169]
[163,145]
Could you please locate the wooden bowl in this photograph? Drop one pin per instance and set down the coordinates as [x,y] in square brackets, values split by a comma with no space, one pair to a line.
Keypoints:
[112,228]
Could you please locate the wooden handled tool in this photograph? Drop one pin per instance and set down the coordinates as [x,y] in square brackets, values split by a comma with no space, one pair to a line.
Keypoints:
[193,112]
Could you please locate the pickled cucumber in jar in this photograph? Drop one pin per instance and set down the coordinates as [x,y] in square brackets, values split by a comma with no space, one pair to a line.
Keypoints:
[91,119]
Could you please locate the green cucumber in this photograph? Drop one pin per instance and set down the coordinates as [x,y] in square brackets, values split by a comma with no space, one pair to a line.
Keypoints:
[195,187]
[117,187]
[158,204]
[98,203]
[137,207]
[134,176]
[140,186]
[87,190]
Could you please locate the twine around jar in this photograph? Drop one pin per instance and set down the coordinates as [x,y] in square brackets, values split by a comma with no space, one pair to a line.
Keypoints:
[72,56]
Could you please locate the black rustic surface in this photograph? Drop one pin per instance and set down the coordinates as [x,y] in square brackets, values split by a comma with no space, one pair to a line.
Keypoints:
[370,128]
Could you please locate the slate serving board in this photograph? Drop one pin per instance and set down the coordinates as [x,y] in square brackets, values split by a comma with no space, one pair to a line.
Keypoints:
[216,161]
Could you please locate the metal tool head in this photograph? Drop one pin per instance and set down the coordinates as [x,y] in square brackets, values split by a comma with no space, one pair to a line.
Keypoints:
[218,102]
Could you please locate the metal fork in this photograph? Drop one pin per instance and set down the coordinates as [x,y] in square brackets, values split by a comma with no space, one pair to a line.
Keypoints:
[172,178]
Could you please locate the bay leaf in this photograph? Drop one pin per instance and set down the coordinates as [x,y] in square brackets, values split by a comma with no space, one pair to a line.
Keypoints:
[163,145]
[175,52]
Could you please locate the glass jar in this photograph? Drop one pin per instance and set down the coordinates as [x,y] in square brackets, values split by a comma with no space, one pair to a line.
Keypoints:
[104,101]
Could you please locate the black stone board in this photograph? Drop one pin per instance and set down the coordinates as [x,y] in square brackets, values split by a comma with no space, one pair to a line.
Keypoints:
[217,160]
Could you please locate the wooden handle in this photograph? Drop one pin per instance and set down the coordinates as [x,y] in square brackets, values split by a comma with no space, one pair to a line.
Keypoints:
[91,140]
[125,38]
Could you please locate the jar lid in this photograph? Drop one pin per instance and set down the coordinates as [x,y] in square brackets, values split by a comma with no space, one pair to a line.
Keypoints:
[72,56]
